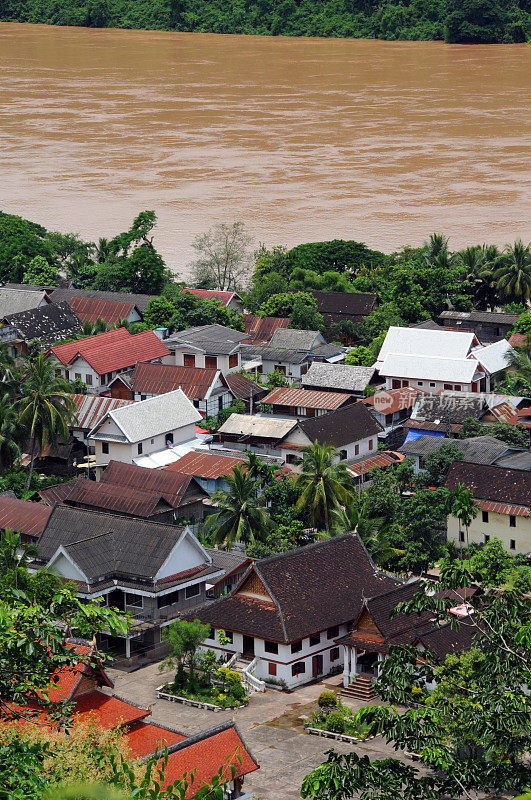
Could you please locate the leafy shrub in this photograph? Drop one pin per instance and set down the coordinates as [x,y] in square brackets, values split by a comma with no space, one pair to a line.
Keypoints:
[238,692]
[327,699]
[335,722]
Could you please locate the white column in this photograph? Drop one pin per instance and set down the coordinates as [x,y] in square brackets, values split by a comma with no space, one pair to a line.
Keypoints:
[128,648]
[381,658]
[346,665]
[354,664]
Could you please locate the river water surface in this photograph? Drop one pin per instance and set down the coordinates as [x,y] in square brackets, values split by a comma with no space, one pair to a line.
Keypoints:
[302,139]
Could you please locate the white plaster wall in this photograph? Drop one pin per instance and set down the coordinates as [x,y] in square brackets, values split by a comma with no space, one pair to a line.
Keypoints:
[497,527]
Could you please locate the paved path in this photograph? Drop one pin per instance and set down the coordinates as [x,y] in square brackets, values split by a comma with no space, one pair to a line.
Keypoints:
[271,725]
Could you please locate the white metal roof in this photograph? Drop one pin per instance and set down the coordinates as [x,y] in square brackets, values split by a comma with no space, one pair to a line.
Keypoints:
[156,415]
[493,357]
[451,370]
[421,342]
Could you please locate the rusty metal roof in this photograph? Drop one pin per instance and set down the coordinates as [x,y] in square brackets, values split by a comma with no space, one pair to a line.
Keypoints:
[90,409]
[388,402]
[196,382]
[205,465]
[113,497]
[89,309]
[170,485]
[305,398]
[259,330]
[384,458]
[23,516]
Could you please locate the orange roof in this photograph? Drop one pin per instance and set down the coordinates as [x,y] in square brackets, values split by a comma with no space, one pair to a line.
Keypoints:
[144,738]
[65,680]
[388,402]
[503,508]
[206,754]
[108,712]
[89,309]
[385,458]
[108,353]
[209,294]
[518,339]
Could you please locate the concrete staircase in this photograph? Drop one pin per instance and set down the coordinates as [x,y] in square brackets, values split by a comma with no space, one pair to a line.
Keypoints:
[245,665]
[362,688]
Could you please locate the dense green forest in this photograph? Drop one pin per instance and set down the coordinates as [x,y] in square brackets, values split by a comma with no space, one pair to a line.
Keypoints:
[461,21]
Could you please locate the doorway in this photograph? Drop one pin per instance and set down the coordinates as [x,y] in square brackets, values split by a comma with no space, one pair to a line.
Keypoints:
[317,666]
[248,646]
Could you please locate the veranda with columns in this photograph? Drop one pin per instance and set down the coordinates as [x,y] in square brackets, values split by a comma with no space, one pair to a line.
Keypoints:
[353,666]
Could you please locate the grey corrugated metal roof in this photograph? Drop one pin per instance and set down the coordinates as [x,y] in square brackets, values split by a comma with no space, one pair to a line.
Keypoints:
[294,339]
[520,460]
[454,408]
[268,353]
[154,416]
[478,450]
[227,560]
[251,425]
[481,316]
[338,376]
[213,339]
[13,301]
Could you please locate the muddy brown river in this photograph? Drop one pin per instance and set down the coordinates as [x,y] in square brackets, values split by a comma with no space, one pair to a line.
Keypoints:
[302,139]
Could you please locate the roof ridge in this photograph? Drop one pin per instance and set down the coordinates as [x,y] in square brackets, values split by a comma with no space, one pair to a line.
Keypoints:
[113,516]
[306,547]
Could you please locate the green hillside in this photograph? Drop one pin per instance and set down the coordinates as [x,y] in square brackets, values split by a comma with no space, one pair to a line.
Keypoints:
[466,21]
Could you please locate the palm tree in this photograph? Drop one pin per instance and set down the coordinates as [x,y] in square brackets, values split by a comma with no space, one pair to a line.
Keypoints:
[14,554]
[103,250]
[480,263]
[513,275]
[326,487]
[374,532]
[258,470]
[11,434]
[436,252]
[519,361]
[463,507]
[242,516]
[44,409]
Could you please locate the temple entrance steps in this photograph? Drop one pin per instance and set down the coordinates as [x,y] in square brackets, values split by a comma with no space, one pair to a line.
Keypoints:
[361,688]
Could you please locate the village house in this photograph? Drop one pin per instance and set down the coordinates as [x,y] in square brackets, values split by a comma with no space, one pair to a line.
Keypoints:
[98,359]
[207,346]
[391,408]
[477,450]
[92,309]
[46,323]
[340,307]
[150,570]
[259,330]
[350,379]
[437,360]
[89,410]
[230,300]
[245,390]
[488,326]
[302,403]
[374,631]
[504,498]
[86,686]
[144,428]
[288,629]
[15,298]
[206,388]
[290,352]
[208,468]
[351,429]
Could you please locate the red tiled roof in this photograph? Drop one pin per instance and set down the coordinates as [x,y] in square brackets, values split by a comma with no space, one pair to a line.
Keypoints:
[23,517]
[144,738]
[205,465]
[518,339]
[66,352]
[206,756]
[259,330]
[388,402]
[89,309]
[504,508]
[161,378]
[66,679]
[209,294]
[111,354]
[90,409]
[305,398]
[108,712]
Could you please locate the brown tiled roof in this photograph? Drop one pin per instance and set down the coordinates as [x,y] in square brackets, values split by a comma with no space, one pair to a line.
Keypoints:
[161,378]
[23,517]
[242,388]
[205,465]
[305,398]
[496,484]
[259,330]
[312,588]
[90,309]
[350,304]
[419,425]
[113,497]
[170,485]
[344,426]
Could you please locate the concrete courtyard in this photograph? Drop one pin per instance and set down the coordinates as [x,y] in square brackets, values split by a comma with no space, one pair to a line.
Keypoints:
[271,724]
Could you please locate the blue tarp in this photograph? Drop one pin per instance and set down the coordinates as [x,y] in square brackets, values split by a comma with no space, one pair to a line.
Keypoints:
[414,433]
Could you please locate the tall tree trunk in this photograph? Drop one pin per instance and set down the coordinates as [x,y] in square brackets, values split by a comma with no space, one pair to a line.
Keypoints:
[32,462]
